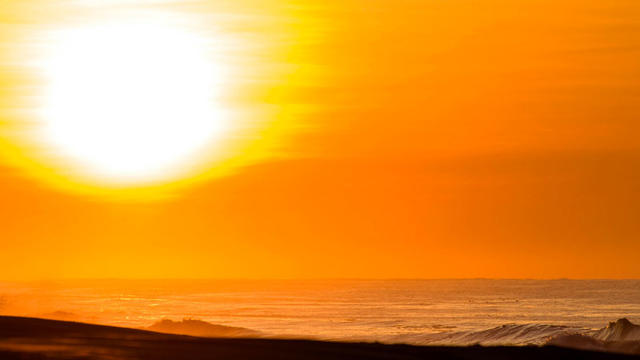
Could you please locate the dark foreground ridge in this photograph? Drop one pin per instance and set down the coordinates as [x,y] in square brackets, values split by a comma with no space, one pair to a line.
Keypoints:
[30,338]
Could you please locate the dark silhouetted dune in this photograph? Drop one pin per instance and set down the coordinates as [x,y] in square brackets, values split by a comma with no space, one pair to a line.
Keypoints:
[30,338]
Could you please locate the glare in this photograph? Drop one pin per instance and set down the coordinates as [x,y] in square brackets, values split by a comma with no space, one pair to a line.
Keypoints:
[131,102]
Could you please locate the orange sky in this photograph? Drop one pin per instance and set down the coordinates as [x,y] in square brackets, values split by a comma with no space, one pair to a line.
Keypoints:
[404,139]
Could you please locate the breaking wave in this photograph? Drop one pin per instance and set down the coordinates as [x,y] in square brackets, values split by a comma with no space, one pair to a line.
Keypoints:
[619,336]
[510,334]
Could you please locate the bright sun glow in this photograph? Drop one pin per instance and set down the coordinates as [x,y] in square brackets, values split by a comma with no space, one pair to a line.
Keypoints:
[131,102]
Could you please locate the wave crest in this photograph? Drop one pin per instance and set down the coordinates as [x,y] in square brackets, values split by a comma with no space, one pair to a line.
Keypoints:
[619,336]
[200,328]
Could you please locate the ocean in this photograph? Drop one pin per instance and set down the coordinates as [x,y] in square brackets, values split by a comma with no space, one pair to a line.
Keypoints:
[460,312]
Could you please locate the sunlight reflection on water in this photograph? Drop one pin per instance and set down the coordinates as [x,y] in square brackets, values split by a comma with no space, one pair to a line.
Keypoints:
[332,309]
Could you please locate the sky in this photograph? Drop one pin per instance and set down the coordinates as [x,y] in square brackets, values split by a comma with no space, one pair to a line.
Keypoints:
[369,139]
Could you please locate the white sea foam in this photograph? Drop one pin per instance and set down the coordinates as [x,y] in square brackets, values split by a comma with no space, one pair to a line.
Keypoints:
[619,336]
[508,334]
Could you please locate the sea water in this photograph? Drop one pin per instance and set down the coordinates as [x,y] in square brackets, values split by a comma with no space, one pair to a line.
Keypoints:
[412,311]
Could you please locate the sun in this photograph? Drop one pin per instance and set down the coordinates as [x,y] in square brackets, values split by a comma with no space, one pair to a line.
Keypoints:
[130,102]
